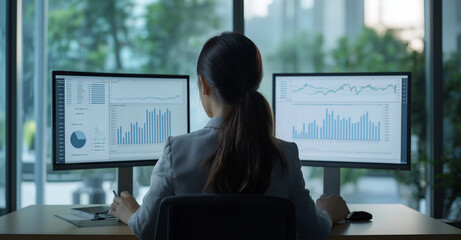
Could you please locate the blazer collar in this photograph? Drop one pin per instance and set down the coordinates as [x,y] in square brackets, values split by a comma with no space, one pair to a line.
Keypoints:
[215,122]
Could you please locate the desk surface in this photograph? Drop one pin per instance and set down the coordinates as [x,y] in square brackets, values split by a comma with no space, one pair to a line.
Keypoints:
[390,221]
[394,221]
[39,222]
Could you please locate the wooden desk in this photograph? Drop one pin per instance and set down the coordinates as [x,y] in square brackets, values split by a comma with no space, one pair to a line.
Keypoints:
[390,221]
[394,221]
[39,222]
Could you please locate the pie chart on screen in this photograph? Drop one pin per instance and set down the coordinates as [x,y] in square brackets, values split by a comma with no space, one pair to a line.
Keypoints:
[78,139]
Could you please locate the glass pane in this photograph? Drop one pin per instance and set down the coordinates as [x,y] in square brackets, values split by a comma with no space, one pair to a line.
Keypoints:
[349,36]
[26,120]
[131,36]
[2,104]
[451,37]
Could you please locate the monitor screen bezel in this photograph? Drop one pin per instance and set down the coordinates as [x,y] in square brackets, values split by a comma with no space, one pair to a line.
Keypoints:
[108,164]
[336,164]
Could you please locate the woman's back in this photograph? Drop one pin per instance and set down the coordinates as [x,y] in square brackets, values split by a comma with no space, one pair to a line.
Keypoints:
[181,171]
[185,155]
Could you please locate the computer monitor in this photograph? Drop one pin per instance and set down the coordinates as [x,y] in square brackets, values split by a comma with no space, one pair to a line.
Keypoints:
[103,120]
[358,120]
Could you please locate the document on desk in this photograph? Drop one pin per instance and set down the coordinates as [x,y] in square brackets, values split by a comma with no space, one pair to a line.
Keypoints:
[80,221]
[93,212]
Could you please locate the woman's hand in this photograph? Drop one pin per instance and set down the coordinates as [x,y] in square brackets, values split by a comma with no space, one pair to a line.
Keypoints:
[334,205]
[124,207]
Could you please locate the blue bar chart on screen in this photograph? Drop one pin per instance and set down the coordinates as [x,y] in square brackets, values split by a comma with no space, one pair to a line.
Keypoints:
[339,128]
[155,129]
[342,118]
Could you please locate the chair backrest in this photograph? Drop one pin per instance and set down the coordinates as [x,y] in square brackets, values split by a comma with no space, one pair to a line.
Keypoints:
[225,216]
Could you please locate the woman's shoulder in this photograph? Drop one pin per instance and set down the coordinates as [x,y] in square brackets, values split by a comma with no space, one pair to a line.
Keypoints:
[187,151]
[197,135]
[290,150]
[191,145]
[287,147]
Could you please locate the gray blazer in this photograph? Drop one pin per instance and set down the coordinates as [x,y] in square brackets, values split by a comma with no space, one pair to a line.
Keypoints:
[179,172]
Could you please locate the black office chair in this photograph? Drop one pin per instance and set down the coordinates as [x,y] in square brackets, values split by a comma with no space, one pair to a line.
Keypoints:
[225,216]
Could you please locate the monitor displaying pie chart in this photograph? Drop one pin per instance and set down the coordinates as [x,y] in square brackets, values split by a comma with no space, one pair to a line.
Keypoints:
[78,139]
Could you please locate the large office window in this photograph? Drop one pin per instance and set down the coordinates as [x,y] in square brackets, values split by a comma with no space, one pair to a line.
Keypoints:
[349,36]
[451,44]
[128,36]
[2,105]
[164,36]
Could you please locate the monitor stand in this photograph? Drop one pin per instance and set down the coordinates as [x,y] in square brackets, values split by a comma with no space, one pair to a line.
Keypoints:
[125,179]
[331,180]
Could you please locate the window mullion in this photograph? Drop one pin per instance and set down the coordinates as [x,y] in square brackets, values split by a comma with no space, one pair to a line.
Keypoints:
[237,16]
[11,104]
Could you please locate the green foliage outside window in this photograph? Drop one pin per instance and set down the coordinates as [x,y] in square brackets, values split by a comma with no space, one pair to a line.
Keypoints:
[451,176]
[174,34]
[29,135]
[88,35]
[106,35]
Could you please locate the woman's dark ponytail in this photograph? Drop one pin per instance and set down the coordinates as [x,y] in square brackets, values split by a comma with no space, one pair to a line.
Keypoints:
[246,148]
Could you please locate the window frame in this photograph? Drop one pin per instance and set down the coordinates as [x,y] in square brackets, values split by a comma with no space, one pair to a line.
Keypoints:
[434,106]
[11,105]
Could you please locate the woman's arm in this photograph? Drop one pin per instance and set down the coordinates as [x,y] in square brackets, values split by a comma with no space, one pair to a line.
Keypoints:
[312,222]
[124,206]
[334,205]
[143,221]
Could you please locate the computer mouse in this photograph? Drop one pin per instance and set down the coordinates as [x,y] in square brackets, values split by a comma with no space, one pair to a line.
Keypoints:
[358,216]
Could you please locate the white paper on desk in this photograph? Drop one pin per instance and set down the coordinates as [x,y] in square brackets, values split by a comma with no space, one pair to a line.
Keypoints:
[341,222]
[71,217]
[85,222]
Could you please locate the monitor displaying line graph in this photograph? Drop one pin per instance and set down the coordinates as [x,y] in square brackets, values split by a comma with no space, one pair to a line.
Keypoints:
[127,91]
[110,120]
[345,119]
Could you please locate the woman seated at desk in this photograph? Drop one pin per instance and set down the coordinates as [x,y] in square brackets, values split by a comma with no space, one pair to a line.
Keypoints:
[236,152]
